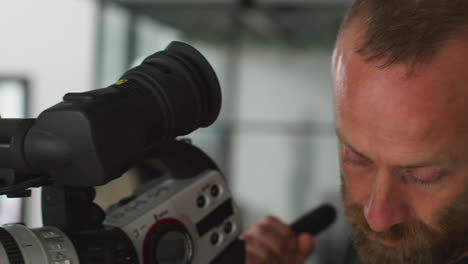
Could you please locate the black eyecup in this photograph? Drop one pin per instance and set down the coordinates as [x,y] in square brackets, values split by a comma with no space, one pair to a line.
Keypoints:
[212,92]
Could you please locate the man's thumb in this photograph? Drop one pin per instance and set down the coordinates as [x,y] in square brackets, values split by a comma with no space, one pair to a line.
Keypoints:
[305,244]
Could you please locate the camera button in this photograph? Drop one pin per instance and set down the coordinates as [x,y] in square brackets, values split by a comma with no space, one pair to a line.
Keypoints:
[214,191]
[214,238]
[201,201]
[228,228]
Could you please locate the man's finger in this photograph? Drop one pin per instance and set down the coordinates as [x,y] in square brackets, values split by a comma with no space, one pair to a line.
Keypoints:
[259,251]
[283,229]
[269,232]
[305,244]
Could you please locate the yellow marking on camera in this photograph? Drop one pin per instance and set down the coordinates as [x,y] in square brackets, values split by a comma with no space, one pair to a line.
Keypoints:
[120,82]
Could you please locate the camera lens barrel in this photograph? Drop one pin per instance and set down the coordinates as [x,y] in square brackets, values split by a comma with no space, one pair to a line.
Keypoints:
[21,245]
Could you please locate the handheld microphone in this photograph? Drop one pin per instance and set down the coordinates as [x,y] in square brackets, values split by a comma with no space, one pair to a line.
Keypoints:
[315,221]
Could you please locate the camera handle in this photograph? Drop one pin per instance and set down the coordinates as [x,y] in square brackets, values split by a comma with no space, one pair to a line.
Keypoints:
[71,209]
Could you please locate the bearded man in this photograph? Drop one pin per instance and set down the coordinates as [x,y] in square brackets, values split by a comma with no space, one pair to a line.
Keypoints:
[400,82]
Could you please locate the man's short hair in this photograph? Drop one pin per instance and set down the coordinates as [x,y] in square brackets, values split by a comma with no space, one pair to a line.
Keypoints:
[407,31]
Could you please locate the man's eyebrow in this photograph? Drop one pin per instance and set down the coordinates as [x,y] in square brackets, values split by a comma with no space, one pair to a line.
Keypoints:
[431,163]
[348,145]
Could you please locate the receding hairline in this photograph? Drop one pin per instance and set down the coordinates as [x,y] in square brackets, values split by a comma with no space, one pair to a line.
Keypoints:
[412,38]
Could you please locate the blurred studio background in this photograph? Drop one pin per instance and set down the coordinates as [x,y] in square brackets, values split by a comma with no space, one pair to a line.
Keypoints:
[274,138]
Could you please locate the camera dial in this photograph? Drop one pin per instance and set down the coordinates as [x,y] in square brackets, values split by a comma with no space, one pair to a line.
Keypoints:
[168,242]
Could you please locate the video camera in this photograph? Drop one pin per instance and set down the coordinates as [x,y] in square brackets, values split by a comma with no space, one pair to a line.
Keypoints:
[184,215]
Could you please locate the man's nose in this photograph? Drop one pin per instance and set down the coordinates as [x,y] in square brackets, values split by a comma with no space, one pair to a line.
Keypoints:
[385,206]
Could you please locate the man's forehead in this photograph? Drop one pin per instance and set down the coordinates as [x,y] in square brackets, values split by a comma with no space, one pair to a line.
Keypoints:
[426,112]
[436,90]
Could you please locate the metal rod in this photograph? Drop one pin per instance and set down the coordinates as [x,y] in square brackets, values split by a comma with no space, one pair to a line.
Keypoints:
[8,128]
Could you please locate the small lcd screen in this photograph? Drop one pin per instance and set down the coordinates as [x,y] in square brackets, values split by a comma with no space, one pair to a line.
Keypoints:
[215,218]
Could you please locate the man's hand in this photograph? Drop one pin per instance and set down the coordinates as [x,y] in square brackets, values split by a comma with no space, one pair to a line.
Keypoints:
[273,242]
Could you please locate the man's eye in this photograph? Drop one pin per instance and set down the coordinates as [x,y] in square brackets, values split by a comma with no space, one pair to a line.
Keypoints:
[425,175]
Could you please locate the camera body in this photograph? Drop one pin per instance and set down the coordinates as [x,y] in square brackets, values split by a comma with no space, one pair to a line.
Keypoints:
[168,220]
[186,216]
[179,220]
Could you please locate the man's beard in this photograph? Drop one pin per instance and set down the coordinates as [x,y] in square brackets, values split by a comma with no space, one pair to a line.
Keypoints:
[417,243]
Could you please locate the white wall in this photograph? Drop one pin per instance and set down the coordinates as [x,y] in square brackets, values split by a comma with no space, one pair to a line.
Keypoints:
[50,42]
[288,170]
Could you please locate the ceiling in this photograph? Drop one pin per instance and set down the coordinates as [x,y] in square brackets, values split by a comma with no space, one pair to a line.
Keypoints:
[296,22]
